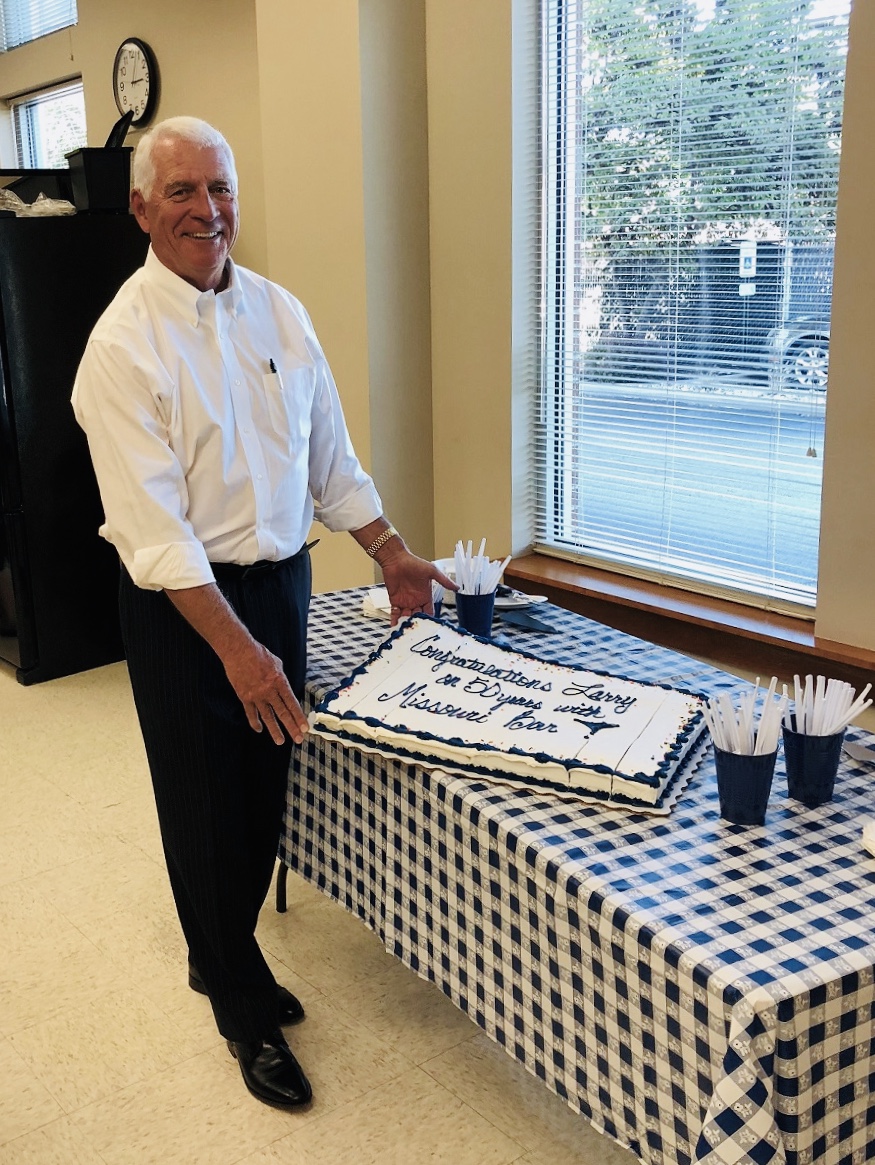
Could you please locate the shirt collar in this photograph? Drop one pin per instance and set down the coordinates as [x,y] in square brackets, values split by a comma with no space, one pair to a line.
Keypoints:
[187,300]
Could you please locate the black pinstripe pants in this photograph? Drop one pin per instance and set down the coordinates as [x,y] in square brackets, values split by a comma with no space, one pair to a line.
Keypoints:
[219,786]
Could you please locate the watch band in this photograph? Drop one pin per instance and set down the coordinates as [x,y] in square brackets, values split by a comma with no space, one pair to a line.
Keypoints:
[381,541]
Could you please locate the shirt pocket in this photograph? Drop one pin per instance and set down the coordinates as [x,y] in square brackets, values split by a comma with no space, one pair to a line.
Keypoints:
[289,393]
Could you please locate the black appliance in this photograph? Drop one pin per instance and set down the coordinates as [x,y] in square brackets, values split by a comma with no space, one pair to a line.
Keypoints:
[58,578]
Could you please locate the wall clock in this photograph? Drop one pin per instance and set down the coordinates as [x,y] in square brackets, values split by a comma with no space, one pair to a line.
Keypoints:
[135,80]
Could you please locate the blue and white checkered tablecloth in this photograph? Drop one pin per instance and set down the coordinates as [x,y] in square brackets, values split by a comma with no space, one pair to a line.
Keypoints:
[698,990]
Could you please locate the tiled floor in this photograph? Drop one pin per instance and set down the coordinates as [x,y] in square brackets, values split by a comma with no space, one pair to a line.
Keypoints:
[107,1057]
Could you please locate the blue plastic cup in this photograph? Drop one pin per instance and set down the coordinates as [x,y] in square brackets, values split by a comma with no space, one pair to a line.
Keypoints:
[812,763]
[743,785]
[474,613]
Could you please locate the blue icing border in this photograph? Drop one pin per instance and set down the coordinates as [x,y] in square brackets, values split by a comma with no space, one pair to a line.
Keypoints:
[367,744]
[650,779]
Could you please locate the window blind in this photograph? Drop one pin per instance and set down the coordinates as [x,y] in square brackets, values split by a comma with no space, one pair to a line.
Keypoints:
[690,167]
[25,20]
[48,124]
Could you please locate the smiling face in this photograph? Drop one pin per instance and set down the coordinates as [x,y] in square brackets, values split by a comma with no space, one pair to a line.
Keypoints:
[191,211]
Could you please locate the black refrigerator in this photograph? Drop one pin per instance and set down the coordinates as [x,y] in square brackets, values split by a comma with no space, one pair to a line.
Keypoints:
[58,578]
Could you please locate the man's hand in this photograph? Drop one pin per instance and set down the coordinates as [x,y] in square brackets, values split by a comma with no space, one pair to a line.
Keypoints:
[255,673]
[257,676]
[408,580]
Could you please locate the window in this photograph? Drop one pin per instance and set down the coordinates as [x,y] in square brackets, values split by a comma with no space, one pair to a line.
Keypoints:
[25,20]
[48,125]
[690,176]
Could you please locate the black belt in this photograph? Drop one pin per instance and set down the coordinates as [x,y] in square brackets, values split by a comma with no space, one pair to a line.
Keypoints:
[236,571]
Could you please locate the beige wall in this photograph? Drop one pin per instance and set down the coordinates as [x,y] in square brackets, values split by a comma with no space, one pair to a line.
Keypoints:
[325,104]
[310,92]
[345,176]
[395,165]
[470,158]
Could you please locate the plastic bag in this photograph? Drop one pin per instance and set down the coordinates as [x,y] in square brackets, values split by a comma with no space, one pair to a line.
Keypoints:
[41,207]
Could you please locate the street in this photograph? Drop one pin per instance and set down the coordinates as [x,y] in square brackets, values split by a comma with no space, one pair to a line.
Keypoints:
[725,473]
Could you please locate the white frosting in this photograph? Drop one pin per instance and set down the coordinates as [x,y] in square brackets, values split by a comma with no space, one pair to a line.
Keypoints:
[444,696]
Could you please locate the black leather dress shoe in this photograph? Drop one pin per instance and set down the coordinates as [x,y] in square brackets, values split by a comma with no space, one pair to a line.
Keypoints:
[271,1072]
[288,1006]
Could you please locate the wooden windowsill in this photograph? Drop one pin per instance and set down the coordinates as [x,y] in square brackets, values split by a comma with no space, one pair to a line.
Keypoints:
[696,624]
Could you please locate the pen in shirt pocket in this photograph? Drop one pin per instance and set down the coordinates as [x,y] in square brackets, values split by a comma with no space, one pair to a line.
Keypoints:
[275,374]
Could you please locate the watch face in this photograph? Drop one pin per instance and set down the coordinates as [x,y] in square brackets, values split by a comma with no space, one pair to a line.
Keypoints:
[135,82]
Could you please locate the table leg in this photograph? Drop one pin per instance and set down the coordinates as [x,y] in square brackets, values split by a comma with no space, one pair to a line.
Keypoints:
[281,876]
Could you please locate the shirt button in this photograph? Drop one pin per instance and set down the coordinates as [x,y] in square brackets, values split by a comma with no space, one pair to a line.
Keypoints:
[259,477]
[246,432]
[236,381]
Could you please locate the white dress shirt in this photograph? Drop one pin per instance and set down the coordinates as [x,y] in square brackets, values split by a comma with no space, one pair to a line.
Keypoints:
[202,453]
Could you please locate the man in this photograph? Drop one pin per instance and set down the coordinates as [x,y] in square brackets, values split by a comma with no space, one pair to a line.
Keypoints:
[216,433]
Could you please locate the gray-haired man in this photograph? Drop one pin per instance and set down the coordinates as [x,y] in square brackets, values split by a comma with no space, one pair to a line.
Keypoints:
[217,435]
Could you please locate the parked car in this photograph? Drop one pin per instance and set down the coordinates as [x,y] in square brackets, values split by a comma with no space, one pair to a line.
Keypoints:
[798,355]
[700,314]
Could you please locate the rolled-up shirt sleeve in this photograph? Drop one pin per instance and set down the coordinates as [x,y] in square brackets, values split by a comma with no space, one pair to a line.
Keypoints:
[122,406]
